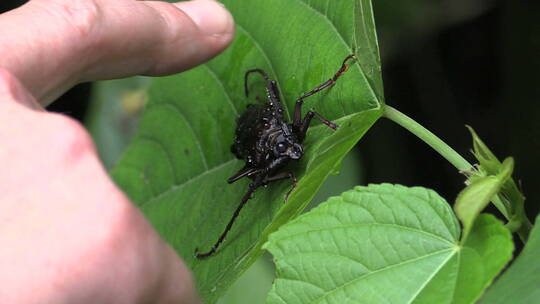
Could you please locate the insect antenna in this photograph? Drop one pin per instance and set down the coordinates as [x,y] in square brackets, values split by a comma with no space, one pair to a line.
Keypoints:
[245,199]
[271,88]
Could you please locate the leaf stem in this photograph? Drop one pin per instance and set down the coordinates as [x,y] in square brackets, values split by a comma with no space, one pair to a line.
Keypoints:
[455,159]
[428,137]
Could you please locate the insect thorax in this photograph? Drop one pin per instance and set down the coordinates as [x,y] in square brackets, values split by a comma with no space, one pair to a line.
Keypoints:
[257,134]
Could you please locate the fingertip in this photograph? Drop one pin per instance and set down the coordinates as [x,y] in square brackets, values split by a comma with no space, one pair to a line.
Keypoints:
[214,22]
[210,16]
[198,31]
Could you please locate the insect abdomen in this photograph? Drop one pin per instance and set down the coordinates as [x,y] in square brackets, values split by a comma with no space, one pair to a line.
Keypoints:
[254,125]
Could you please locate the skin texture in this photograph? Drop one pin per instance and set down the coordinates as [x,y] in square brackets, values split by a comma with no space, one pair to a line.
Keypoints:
[68,234]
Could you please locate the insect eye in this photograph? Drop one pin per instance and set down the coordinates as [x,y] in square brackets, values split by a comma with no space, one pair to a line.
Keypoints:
[281,147]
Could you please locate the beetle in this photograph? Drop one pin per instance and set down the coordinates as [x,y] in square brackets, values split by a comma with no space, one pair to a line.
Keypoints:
[267,142]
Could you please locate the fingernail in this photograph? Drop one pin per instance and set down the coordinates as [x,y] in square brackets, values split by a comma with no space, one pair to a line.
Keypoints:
[210,16]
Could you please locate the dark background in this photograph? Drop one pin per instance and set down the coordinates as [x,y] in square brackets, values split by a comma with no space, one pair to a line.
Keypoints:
[446,64]
[451,63]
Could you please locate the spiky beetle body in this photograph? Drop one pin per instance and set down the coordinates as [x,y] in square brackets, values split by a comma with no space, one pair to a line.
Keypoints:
[267,142]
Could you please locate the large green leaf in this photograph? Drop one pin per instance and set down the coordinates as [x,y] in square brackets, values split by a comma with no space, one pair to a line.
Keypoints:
[520,284]
[386,244]
[176,167]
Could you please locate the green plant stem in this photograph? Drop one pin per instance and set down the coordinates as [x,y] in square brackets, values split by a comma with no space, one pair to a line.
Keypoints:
[429,138]
[454,158]
[525,228]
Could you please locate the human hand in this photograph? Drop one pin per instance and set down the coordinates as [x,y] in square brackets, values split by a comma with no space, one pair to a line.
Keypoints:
[68,234]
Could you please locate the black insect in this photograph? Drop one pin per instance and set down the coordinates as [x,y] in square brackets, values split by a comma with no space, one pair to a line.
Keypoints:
[266,142]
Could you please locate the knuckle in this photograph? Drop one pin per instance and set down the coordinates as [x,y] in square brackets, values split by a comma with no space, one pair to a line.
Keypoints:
[7,84]
[69,138]
[81,16]
[5,76]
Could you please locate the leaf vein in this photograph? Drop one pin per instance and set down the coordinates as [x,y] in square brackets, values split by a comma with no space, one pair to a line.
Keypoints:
[367,225]
[169,158]
[361,278]
[183,117]
[183,184]
[225,92]
[413,297]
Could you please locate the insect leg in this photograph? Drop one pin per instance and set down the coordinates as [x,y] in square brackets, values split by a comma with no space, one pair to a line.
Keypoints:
[280,176]
[297,120]
[246,171]
[307,120]
[263,74]
[252,187]
[271,87]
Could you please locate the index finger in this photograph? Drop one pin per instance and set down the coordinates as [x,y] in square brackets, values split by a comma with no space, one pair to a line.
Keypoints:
[68,42]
